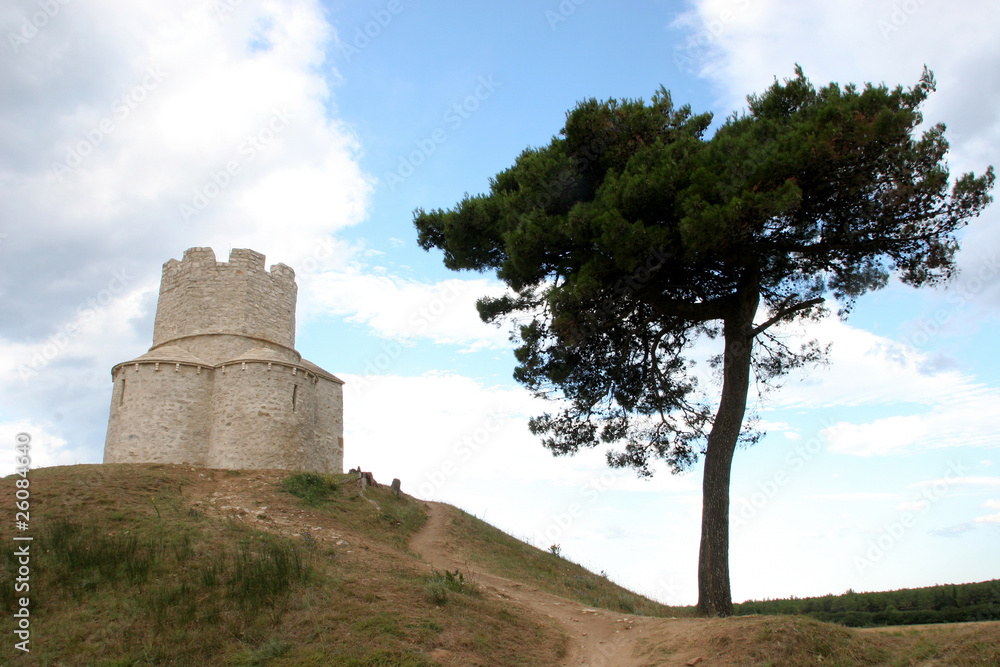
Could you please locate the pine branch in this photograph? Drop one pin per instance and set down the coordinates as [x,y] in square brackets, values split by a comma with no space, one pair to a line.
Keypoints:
[785,312]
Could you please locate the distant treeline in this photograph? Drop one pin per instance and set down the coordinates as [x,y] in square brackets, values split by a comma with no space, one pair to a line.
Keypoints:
[950,603]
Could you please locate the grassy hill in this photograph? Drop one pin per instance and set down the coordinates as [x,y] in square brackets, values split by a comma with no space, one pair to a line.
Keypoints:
[165,564]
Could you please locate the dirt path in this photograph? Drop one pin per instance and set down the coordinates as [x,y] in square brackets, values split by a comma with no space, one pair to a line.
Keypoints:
[597,637]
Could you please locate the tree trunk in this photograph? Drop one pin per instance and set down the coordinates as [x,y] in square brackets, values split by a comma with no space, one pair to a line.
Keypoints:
[714,597]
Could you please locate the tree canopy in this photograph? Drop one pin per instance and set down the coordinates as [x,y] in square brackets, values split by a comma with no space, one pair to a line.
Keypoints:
[634,233]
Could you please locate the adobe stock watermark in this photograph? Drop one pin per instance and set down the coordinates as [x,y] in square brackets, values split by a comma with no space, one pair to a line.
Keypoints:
[87,311]
[22,552]
[223,8]
[696,47]
[626,286]
[322,251]
[609,653]
[420,320]
[452,119]
[378,365]
[898,17]
[120,110]
[965,290]
[567,178]
[668,591]
[561,522]
[894,531]
[247,151]
[427,313]
[462,451]
[31,26]
[562,13]
[363,35]
[767,489]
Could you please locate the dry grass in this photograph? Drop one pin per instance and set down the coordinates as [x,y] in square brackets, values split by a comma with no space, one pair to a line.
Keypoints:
[784,640]
[491,549]
[168,565]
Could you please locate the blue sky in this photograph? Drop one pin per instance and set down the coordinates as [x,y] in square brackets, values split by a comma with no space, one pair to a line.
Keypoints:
[311,131]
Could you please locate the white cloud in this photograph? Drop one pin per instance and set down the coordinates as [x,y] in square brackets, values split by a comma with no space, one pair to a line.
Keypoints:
[44,448]
[232,124]
[859,495]
[968,481]
[944,426]
[868,369]
[445,427]
[191,131]
[912,506]
[990,518]
[402,308]
[940,407]
[453,436]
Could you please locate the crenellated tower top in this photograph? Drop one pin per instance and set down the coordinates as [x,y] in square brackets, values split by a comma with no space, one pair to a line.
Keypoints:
[200,296]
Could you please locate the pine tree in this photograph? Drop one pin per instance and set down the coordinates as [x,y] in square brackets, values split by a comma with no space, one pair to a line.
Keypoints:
[633,234]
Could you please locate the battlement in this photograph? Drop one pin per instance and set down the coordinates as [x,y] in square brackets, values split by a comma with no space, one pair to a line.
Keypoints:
[199,295]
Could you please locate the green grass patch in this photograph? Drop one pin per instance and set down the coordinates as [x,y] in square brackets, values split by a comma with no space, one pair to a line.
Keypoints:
[395,521]
[313,489]
[499,553]
[439,585]
[263,569]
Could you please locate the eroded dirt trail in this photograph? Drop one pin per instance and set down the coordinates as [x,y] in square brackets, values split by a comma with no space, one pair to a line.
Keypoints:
[598,638]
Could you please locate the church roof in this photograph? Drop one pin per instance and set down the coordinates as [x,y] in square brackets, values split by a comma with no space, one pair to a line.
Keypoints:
[262,354]
[266,354]
[170,354]
[313,368]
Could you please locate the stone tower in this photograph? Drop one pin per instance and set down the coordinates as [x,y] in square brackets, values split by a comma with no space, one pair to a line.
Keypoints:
[222,386]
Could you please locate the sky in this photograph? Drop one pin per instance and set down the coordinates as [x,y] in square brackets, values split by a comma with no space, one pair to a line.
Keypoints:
[311,132]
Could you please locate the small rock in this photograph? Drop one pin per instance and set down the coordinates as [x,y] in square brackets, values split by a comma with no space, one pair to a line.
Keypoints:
[691,663]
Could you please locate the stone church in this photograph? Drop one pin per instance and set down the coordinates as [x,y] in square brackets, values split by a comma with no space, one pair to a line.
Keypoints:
[222,386]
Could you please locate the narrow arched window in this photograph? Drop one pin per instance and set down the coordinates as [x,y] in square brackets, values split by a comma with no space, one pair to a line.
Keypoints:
[295,392]
[121,396]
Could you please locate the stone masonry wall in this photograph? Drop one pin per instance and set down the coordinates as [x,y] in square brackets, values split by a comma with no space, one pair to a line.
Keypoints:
[254,424]
[328,452]
[162,416]
[199,295]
